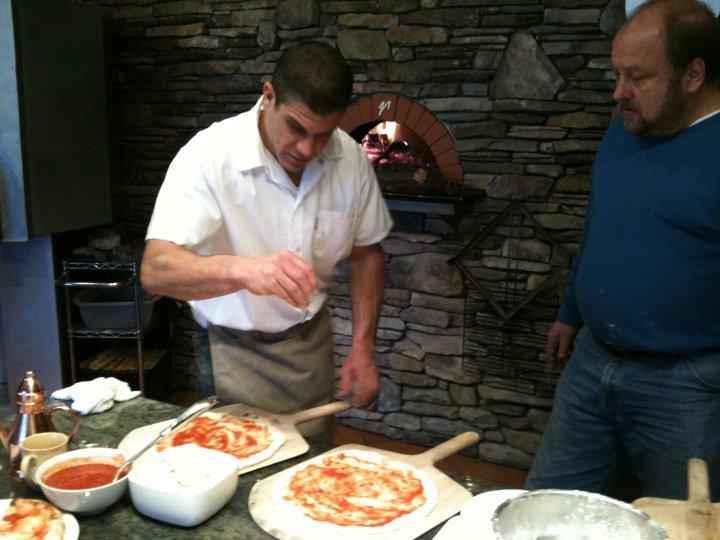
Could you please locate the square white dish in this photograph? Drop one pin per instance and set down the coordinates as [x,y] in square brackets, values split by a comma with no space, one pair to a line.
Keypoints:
[183,485]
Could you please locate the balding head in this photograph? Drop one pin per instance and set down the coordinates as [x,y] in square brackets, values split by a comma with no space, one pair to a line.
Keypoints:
[663,85]
[689,30]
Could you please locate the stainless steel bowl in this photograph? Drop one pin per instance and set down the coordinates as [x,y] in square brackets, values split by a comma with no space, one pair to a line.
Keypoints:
[554,514]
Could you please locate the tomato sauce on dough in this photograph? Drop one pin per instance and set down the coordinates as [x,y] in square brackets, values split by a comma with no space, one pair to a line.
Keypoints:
[237,436]
[348,491]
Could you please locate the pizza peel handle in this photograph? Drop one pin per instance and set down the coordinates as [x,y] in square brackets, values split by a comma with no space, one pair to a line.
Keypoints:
[694,519]
[698,484]
[318,412]
[445,449]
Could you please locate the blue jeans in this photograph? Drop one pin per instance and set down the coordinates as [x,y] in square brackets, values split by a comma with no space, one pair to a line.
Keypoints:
[653,412]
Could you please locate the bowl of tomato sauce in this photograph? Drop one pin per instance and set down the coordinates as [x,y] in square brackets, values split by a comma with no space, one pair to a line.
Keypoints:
[81,481]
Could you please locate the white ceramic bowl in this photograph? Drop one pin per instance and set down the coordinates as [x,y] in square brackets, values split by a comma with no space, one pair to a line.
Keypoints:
[183,485]
[82,501]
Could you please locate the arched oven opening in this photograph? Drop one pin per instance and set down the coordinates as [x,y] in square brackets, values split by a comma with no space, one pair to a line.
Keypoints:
[414,155]
[402,160]
[404,163]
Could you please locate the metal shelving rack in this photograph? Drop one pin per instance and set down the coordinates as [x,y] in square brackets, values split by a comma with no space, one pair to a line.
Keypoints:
[128,275]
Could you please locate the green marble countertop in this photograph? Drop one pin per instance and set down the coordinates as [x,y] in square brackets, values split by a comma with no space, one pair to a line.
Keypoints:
[121,520]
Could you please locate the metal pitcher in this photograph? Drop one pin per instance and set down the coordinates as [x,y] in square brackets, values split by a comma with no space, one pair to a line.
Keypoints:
[32,417]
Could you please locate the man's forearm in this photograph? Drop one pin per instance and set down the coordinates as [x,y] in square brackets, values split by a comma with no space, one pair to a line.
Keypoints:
[367,282]
[170,270]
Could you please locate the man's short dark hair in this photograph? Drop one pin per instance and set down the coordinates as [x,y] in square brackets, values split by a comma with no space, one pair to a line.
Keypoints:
[691,31]
[316,74]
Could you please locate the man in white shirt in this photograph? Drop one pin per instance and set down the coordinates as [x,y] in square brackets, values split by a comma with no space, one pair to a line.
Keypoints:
[254,213]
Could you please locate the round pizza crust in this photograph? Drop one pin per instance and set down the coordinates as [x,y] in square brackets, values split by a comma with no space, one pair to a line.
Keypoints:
[294,517]
[277,439]
[31,517]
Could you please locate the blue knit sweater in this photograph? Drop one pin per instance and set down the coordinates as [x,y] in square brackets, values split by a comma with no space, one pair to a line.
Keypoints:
[647,272]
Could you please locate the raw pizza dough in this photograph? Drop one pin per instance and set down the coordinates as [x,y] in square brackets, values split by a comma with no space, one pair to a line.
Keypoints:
[249,438]
[348,487]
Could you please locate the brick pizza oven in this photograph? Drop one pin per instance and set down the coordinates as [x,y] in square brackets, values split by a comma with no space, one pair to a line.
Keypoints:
[367,111]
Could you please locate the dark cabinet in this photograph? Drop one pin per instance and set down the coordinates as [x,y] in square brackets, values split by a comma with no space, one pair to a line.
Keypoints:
[54,164]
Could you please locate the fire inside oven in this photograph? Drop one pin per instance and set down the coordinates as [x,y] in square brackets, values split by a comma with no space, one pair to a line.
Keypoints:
[402,160]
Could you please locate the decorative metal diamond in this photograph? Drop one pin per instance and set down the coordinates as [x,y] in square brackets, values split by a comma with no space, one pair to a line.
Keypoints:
[511,260]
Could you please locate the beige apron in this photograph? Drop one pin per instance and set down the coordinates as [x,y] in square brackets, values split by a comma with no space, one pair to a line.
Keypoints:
[277,372]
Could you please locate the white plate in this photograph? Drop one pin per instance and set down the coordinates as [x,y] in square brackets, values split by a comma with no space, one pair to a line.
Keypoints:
[482,506]
[475,519]
[72,527]
[452,530]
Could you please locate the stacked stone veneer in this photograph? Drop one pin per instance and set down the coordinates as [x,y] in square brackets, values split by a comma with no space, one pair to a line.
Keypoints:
[523,87]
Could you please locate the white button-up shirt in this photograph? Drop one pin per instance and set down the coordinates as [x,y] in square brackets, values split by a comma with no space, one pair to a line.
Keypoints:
[226,194]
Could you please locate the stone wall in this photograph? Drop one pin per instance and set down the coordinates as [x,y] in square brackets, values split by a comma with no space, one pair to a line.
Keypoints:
[525,90]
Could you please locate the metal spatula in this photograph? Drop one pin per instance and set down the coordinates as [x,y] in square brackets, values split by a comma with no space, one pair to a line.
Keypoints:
[188,414]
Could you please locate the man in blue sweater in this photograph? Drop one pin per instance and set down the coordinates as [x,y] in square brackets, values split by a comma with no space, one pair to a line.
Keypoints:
[643,384]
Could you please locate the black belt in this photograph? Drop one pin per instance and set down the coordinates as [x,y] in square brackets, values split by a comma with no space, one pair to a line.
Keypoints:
[632,353]
[627,353]
[283,335]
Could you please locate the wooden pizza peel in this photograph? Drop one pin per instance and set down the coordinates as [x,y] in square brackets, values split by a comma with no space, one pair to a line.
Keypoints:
[293,446]
[295,443]
[450,495]
[694,519]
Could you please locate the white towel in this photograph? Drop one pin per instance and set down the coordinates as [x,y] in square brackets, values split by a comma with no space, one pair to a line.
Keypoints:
[97,395]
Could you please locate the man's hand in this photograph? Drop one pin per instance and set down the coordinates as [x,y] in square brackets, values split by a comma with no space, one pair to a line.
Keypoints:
[559,341]
[359,378]
[281,274]
[171,270]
